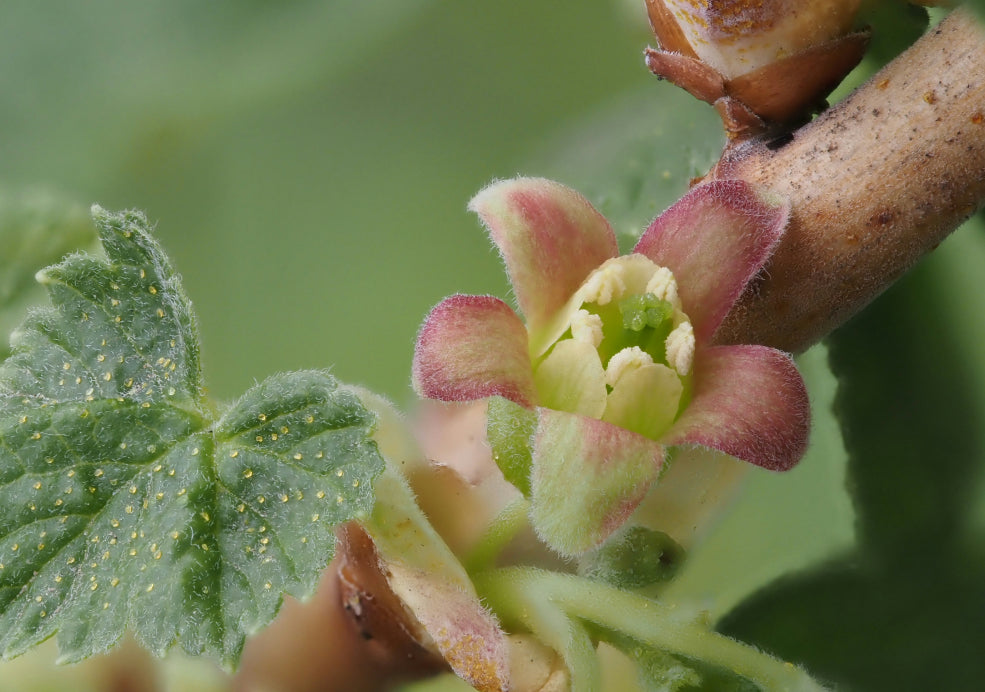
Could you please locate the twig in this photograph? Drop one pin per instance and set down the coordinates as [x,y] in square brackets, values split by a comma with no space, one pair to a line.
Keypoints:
[875,183]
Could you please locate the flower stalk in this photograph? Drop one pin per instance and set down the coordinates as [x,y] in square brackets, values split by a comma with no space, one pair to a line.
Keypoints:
[652,623]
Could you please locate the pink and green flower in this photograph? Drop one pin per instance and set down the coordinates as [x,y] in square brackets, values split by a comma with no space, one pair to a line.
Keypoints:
[616,358]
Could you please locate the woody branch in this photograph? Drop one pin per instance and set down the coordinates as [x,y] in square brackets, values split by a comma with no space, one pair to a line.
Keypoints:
[875,183]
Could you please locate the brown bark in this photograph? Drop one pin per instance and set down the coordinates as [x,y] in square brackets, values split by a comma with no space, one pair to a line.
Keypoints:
[875,183]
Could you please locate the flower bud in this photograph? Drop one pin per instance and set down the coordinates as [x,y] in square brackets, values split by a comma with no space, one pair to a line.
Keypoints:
[760,62]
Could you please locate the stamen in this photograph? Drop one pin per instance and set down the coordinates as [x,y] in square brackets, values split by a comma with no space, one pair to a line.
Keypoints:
[587,328]
[626,360]
[664,286]
[680,348]
[604,285]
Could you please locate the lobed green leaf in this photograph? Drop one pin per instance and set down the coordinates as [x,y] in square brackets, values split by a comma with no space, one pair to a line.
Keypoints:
[126,501]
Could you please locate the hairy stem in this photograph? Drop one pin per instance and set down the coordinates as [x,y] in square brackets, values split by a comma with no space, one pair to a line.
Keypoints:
[875,183]
[649,622]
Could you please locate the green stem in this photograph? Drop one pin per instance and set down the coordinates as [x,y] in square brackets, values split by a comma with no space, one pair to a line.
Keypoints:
[654,624]
[501,531]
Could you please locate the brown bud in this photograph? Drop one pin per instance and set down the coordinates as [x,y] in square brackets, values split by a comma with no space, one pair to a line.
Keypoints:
[763,63]
[398,641]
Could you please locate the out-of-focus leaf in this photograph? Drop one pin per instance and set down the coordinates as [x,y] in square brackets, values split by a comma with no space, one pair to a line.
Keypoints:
[36,229]
[907,609]
[780,521]
[127,667]
[977,5]
[635,158]
[126,502]
[895,24]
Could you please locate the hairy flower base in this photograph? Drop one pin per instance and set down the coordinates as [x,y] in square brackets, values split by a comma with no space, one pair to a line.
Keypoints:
[615,360]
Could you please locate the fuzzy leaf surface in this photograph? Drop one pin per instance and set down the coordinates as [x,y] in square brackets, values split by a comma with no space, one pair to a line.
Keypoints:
[126,502]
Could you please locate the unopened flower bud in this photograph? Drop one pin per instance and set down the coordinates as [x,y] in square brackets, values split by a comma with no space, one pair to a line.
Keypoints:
[761,62]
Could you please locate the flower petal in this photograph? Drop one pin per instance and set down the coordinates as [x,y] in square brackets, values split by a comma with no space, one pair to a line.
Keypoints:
[695,487]
[473,347]
[572,379]
[588,477]
[645,400]
[550,237]
[749,402]
[715,240]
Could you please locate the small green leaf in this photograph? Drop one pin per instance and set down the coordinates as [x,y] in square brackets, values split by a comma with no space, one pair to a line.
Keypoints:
[656,671]
[125,502]
[36,229]
[663,672]
[510,429]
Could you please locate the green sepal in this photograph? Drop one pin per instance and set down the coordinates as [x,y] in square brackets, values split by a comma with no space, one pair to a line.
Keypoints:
[126,502]
[510,429]
[633,559]
[656,670]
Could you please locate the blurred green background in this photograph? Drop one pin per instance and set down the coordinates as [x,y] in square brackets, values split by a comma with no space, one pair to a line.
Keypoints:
[308,165]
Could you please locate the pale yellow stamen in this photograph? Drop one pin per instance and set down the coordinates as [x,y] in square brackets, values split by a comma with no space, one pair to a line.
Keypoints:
[664,286]
[680,348]
[626,360]
[587,328]
[604,285]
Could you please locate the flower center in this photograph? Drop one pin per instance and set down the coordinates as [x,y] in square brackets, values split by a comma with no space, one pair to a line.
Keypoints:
[626,354]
